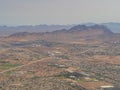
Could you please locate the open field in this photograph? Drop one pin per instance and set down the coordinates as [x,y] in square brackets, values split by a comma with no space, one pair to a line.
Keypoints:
[44,65]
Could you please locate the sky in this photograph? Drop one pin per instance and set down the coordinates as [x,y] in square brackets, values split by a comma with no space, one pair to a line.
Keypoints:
[32,12]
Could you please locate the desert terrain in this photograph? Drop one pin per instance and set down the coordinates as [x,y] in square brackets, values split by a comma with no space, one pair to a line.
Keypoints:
[81,58]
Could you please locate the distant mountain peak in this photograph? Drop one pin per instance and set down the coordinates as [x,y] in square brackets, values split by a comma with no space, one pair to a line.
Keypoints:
[93,27]
[79,27]
[20,34]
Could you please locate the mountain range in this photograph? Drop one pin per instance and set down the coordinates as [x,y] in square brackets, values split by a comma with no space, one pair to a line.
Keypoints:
[77,34]
[8,30]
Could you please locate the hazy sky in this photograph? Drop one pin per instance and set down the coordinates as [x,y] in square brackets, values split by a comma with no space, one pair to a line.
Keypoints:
[18,12]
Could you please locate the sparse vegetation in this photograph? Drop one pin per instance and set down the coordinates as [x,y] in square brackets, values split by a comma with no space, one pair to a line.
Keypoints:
[49,63]
[7,66]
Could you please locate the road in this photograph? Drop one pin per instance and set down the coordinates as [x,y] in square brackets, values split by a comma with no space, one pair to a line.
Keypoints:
[32,62]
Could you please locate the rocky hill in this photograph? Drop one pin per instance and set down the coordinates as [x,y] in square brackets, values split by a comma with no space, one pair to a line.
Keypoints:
[78,34]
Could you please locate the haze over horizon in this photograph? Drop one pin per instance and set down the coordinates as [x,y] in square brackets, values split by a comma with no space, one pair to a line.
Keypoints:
[35,12]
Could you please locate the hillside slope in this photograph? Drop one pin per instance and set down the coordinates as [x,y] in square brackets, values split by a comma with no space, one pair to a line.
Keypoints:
[77,34]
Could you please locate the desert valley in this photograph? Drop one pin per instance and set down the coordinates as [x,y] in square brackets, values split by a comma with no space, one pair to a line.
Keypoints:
[80,58]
